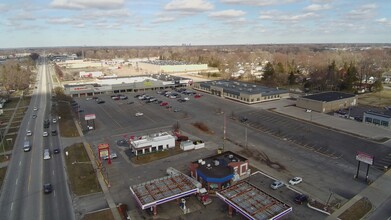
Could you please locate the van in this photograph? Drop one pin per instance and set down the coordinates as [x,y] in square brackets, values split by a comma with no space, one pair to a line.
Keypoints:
[46,154]
[26,146]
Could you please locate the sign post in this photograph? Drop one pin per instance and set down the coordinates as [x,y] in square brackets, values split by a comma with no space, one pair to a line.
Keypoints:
[365,158]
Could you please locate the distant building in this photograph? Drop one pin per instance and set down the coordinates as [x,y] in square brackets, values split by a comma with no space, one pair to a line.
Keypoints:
[169,66]
[248,93]
[220,171]
[327,101]
[113,84]
[152,143]
[84,74]
[378,118]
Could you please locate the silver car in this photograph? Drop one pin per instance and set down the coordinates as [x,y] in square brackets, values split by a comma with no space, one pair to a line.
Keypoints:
[277,184]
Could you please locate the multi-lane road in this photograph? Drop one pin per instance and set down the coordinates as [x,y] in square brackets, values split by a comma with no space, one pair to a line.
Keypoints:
[22,195]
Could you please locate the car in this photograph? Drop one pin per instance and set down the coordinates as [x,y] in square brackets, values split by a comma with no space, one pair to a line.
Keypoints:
[197,96]
[186,99]
[122,142]
[112,156]
[81,110]
[123,97]
[300,199]
[129,103]
[308,110]
[54,121]
[243,119]
[56,151]
[295,180]
[34,116]
[89,98]
[277,184]
[115,97]
[177,110]
[54,132]
[100,102]
[47,188]
[35,109]
[45,134]
[29,133]
[139,114]
[163,103]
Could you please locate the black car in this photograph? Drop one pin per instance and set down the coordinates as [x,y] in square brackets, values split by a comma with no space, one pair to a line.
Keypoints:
[130,103]
[56,151]
[101,102]
[47,188]
[243,119]
[54,132]
[300,199]
[34,116]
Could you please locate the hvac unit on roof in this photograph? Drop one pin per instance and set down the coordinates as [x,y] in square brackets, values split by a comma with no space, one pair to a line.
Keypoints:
[203,162]
[230,156]
[208,166]
[200,161]
[216,162]
[254,86]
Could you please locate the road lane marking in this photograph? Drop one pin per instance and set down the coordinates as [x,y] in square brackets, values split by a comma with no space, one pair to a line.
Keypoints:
[17,181]
[20,163]
[12,205]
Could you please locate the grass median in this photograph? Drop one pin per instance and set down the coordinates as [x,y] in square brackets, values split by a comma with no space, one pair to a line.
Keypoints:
[81,173]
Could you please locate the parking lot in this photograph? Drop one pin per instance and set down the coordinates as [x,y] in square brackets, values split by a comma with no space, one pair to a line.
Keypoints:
[325,159]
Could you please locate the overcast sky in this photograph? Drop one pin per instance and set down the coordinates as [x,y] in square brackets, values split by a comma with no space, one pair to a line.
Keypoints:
[45,23]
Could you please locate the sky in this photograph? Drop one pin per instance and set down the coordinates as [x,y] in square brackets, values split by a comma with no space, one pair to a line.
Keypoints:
[56,23]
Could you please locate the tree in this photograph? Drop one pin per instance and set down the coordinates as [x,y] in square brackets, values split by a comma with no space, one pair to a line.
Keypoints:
[34,56]
[291,78]
[377,86]
[350,78]
[269,73]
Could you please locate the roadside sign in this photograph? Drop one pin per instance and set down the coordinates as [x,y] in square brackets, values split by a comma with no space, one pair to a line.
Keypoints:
[363,157]
[89,117]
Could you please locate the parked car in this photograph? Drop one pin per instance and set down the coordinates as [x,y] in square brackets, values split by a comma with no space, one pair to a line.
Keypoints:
[300,199]
[47,188]
[197,96]
[29,133]
[45,134]
[139,114]
[54,121]
[277,184]
[34,116]
[115,97]
[35,108]
[130,103]
[163,103]
[112,156]
[56,151]
[295,180]
[100,102]
[54,132]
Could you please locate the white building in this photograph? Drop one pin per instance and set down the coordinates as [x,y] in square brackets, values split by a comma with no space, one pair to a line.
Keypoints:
[152,143]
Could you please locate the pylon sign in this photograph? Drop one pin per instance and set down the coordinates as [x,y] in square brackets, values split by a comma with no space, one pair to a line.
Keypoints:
[104,151]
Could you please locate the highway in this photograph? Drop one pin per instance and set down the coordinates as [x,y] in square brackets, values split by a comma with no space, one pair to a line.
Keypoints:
[22,195]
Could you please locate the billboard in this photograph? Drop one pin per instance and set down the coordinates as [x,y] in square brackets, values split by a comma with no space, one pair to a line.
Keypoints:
[89,117]
[365,158]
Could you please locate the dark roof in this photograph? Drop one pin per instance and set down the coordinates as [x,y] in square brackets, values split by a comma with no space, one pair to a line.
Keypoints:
[329,96]
[385,114]
[236,87]
[218,164]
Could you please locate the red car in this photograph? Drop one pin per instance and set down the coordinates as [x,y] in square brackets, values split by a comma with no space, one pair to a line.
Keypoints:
[197,96]
[163,103]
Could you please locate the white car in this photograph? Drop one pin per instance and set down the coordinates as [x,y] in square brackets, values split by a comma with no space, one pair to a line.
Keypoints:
[54,120]
[35,108]
[186,98]
[295,180]
[29,133]
[112,156]
[45,134]
[139,114]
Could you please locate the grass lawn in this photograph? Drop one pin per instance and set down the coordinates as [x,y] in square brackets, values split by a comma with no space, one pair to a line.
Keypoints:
[67,126]
[81,173]
[2,175]
[377,99]
[102,215]
[9,145]
[4,158]
[146,158]
[357,210]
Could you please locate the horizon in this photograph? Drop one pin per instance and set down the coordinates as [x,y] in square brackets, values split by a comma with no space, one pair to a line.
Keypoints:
[111,23]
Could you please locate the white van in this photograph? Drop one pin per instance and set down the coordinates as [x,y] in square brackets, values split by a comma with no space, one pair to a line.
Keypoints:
[46,154]
[26,146]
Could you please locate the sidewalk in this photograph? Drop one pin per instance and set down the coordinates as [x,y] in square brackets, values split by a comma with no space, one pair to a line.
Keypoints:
[378,192]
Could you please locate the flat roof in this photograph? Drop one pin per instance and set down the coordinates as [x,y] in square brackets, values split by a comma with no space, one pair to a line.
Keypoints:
[165,62]
[236,87]
[216,166]
[252,202]
[162,190]
[329,96]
